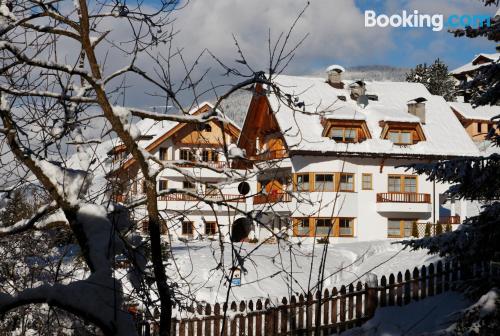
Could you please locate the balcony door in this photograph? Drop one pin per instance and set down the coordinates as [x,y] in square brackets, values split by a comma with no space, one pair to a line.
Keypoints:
[402,184]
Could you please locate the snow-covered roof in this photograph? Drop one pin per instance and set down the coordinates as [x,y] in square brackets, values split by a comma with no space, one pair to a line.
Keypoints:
[335,67]
[444,134]
[471,66]
[479,113]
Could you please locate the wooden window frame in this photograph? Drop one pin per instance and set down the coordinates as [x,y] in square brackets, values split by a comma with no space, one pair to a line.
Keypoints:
[402,178]
[188,188]
[191,230]
[351,220]
[344,129]
[314,188]
[296,222]
[295,182]
[312,222]
[399,131]
[402,222]
[190,155]
[163,154]
[209,224]
[339,184]
[363,181]
[160,182]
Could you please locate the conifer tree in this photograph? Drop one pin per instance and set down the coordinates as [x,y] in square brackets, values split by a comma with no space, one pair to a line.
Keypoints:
[435,78]
[478,178]
[16,209]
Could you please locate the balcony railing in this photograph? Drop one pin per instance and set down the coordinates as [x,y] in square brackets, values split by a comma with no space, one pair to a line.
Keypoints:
[211,164]
[272,198]
[449,220]
[401,197]
[270,155]
[211,197]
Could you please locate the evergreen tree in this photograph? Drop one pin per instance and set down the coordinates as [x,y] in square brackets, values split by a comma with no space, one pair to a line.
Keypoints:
[435,78]
[16,209]
[476,240]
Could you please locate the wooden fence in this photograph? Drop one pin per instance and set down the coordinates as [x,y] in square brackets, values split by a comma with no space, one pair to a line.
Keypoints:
[332,311]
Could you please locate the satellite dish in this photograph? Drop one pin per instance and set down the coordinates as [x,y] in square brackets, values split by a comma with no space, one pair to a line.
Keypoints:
[243,188]
[241,229]
[362,101]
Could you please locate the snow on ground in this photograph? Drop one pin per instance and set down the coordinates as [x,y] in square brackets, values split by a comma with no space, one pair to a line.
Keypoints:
[268,268]
[432,315]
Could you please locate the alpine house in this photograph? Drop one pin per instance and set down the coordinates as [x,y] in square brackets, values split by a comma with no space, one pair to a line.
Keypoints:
[332,156]
[196,169]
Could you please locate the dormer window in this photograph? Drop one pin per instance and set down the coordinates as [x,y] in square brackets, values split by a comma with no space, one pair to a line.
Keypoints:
[400,137]
[402,133]
[346,131]
[344,134]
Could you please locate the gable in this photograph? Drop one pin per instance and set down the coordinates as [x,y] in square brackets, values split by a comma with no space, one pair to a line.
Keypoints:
[261,129]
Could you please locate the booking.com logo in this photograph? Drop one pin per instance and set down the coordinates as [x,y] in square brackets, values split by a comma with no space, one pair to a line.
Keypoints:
[416,20]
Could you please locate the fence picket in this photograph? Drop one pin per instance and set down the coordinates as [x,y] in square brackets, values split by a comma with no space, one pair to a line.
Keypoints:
[383,291]
[423,282]
[359,303]
[258,319]
[284,316]
[399,289]
[447,273]
[391,290]
[241,319]
[342,308]
[333,305]
[439,277]
[309,311]
[432,280]
[293,313]
[217,320]
[415,285]
[301,311]
[407,287]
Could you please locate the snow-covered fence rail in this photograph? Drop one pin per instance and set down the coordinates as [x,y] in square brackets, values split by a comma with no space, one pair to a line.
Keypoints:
[323,313]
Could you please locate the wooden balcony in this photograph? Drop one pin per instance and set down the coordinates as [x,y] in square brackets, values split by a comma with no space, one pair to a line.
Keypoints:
[211,164]
[211,197]
[272,198]
[402,197]
[449,220]
[270,155]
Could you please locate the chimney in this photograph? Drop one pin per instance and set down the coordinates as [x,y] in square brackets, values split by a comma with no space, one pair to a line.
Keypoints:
[334,73]
[416,107]
[358,89]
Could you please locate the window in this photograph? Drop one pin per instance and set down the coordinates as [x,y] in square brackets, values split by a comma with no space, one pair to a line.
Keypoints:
[204,127]
[344,134]
[187,228]
[400,137]
[402,183]
[205,155]
[346,227]
[323,182]
[394,184]
[410,184]
[210,228]
[303,182]
[144,189]
[302,227]
[210,189]
[163,154]
[162,185]
[479,130]
[186,155]
[367,183]
[187,185]
[346,182]
[398,228]
[324,226]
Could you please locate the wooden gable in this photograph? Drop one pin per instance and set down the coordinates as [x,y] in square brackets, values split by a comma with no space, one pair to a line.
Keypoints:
[261,129]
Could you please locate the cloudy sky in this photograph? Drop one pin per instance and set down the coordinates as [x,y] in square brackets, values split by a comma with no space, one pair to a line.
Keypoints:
[336,28]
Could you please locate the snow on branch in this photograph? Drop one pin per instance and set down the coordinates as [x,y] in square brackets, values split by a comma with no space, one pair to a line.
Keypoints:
[27,224]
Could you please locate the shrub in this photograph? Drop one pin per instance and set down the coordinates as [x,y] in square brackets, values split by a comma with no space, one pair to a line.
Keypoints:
[414,230]
[428,229]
